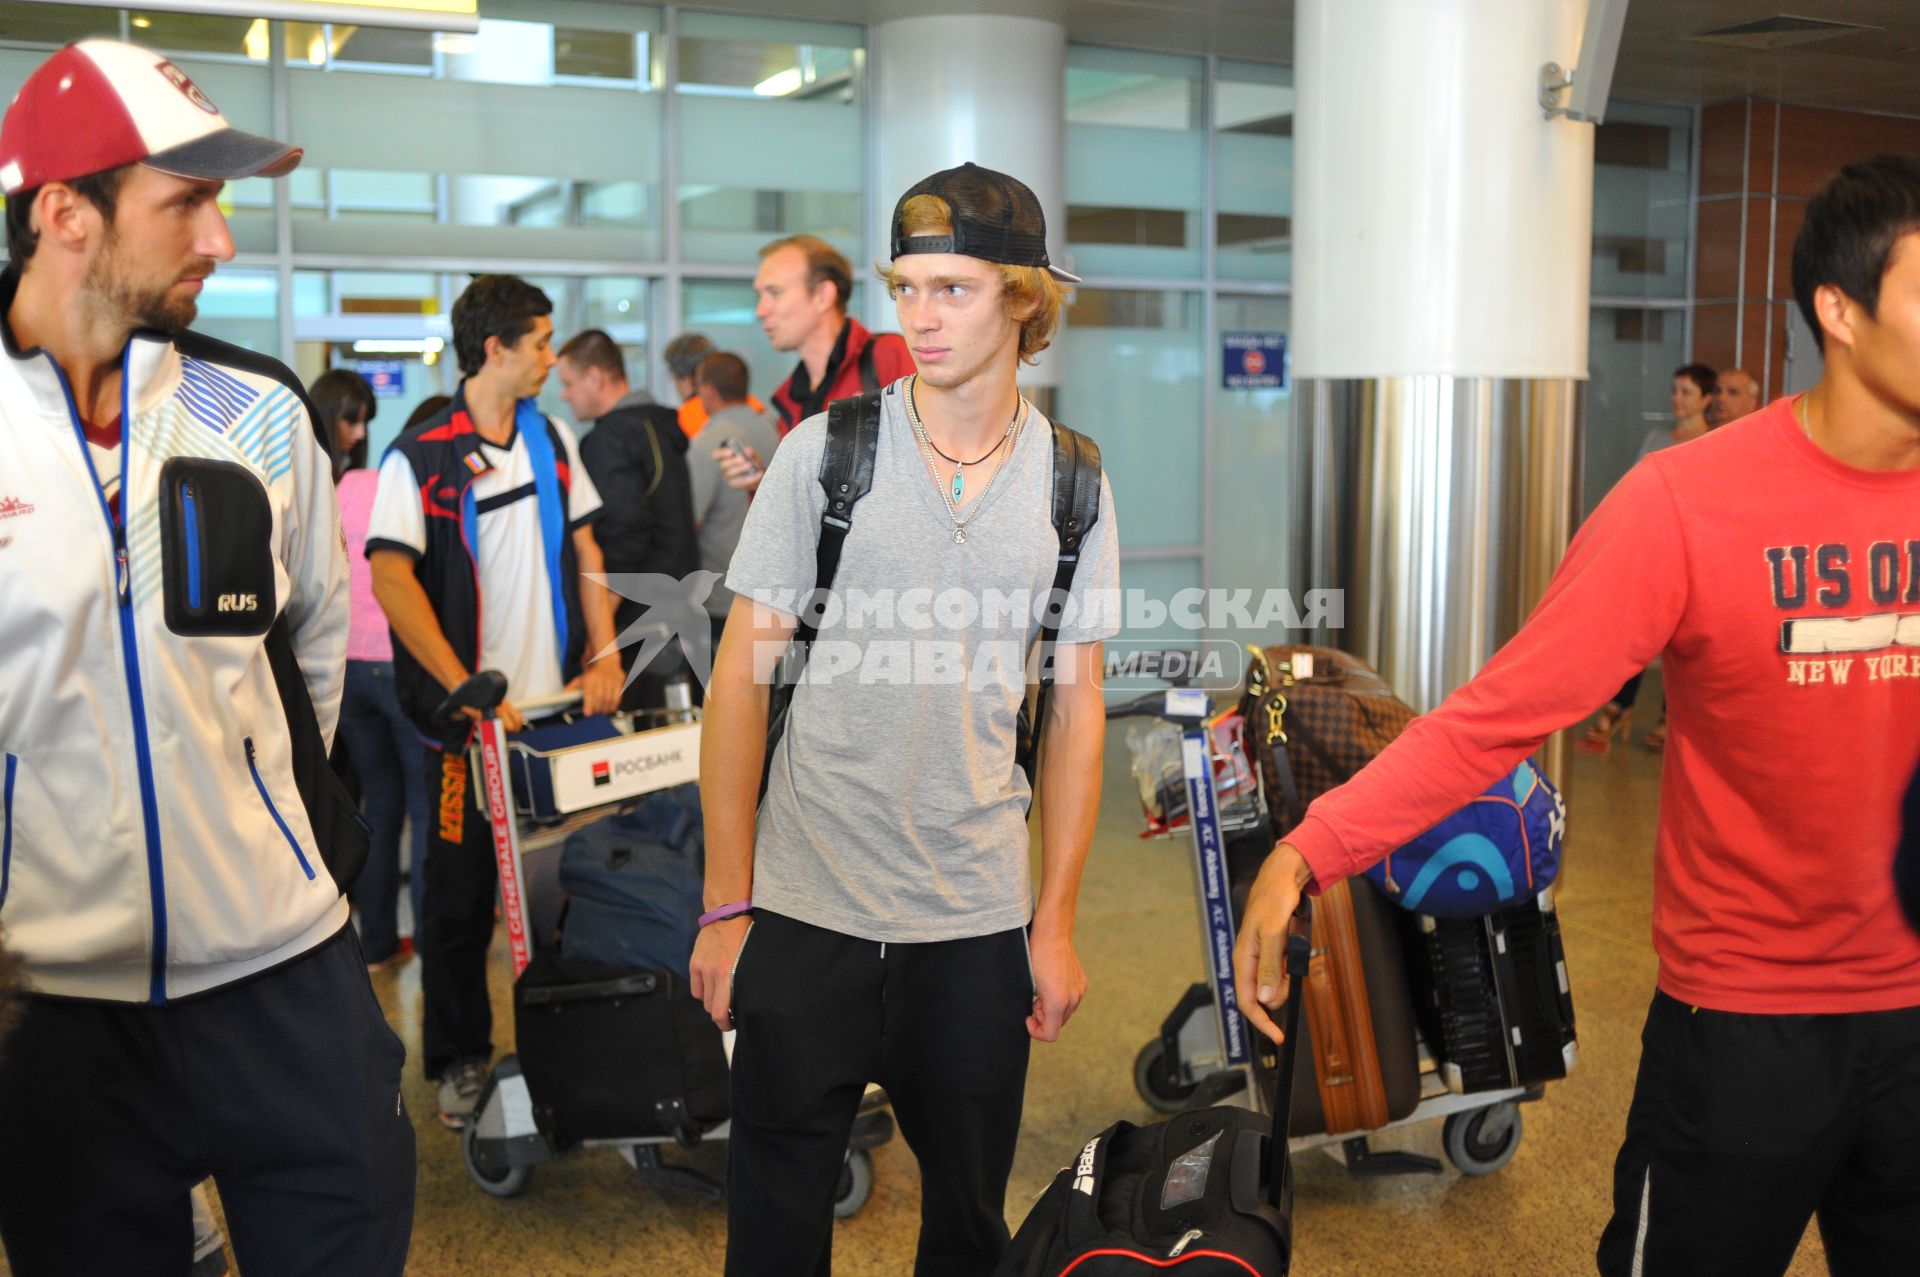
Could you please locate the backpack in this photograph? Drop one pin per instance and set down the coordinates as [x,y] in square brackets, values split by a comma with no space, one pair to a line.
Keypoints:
[1208,1193]
[846,474]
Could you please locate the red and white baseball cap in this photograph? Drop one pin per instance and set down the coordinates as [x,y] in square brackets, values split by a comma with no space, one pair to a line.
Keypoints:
[100,104]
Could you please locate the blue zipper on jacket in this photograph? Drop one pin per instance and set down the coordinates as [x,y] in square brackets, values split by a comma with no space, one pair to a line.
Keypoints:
[6,834]
[189,510]
[130,658]
[261,785]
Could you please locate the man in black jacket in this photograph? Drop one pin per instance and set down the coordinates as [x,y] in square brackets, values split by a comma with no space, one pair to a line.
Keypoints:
[637,456]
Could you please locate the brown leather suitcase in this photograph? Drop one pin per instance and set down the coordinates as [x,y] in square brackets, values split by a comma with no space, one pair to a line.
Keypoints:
[1358,1022]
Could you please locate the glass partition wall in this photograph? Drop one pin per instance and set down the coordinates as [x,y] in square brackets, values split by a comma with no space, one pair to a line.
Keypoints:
[632,159]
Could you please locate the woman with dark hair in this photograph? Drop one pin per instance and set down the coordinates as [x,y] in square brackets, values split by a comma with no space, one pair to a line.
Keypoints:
[1692,391]
[344,400]
[374,735]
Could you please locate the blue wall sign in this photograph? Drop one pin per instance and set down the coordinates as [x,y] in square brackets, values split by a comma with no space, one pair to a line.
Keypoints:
[387,376]
[1253,361]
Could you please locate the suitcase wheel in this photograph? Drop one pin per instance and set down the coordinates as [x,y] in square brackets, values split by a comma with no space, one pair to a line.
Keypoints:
[856,1185]
[490,1172]
[1157,1079]
[1481,1141]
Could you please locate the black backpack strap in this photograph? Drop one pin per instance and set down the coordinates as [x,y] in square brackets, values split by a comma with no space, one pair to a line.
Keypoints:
[333,812]
[1076,508]
[869,375]
[846,475]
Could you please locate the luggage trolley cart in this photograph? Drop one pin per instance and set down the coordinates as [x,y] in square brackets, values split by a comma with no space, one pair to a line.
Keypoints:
[577,772]
[1204,1053]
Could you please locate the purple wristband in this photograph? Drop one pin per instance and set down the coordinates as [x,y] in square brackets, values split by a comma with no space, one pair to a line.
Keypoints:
[724,912]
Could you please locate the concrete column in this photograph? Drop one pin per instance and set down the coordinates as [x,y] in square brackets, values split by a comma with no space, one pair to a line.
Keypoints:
[1442,244]
[957,81]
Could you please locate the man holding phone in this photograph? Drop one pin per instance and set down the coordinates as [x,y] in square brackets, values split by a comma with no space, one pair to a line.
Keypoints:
[734,429]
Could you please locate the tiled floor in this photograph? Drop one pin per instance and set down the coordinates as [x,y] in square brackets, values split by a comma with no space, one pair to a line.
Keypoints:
[1139,942]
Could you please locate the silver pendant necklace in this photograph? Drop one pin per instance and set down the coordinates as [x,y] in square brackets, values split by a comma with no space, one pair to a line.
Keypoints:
[950,492]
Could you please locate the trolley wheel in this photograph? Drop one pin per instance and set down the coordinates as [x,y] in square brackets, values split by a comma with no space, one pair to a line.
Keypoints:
[1481,1141]
[1159,1085]
[508,1181]
[856,1185]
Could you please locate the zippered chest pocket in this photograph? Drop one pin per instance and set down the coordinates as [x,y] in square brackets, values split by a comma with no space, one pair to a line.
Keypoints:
[216,535]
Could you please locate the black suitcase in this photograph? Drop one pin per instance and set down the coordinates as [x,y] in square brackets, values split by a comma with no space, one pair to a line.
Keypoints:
[616,1052]
[1207,1193]
[1496,1000]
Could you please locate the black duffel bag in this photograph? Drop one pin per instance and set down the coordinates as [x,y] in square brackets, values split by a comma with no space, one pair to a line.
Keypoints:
[1208,1193]
[616,1052]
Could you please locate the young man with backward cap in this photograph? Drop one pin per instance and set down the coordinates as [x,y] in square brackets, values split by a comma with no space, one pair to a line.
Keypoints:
[869,920]
[198,1002]
[1780,1066]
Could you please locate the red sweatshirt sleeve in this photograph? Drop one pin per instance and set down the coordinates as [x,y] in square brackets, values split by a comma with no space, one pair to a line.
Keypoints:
[1612,606]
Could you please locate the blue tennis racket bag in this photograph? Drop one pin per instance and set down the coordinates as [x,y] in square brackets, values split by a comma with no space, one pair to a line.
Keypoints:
[1497,851]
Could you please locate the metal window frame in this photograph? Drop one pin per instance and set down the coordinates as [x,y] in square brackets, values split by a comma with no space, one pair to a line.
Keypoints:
[666,277]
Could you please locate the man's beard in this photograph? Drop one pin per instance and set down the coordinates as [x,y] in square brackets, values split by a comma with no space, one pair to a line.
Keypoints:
[138,305]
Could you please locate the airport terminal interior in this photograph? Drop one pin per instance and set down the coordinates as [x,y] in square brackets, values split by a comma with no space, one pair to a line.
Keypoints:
[631,160]
[1140,943]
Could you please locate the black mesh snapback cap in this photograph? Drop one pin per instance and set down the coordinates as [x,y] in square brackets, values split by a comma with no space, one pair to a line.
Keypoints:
[995,218]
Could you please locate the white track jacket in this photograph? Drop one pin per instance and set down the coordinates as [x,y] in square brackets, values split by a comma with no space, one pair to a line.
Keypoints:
[152,842]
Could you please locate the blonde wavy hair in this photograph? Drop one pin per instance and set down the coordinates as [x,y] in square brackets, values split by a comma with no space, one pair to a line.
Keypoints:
[1031,296]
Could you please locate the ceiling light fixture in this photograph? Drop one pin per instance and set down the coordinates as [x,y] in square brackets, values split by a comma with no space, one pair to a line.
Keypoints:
[399,346]
[1782,31]
[780,83]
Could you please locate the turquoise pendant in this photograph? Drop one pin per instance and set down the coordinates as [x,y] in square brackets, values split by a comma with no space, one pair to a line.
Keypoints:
[956,485]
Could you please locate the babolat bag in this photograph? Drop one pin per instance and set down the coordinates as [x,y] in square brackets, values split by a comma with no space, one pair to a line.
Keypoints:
[1206,1193]
[1497,851]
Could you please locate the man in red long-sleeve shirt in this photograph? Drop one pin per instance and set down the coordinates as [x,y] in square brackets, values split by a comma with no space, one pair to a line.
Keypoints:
[1774,567]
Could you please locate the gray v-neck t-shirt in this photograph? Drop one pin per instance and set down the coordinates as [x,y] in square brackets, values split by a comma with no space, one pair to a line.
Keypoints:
[895,810]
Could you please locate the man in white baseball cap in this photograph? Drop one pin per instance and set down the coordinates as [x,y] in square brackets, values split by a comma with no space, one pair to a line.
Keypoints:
[173,622]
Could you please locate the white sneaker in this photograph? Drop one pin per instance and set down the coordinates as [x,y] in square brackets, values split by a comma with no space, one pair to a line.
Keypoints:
[460,1088]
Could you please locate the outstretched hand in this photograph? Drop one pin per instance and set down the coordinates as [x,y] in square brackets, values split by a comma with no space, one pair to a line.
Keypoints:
[1259,983]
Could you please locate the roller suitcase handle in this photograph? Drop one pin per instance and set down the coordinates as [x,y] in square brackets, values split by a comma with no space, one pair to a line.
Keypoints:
[1299,951]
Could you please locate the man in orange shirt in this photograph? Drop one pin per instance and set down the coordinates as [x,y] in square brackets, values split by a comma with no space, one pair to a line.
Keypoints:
[683,356]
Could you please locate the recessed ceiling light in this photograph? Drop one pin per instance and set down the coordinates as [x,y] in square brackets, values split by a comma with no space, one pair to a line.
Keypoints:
[1781,31]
